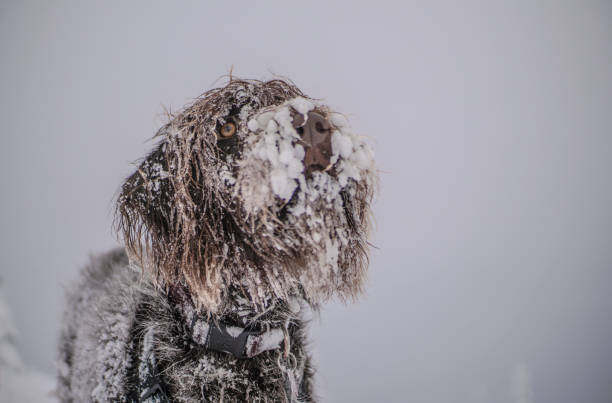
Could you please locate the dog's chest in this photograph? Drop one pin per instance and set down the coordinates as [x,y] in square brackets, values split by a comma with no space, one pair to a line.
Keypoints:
[181,355]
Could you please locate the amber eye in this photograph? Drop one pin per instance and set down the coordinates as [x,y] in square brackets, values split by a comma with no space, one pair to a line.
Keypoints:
[227,130]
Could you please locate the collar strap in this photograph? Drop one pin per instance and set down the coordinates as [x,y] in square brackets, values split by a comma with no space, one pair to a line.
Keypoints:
[218,336]
[240,342]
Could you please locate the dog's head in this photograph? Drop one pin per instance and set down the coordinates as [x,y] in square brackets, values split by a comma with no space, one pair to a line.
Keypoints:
[253,187]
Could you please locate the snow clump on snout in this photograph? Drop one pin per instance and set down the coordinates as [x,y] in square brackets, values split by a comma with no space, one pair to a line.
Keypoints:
[272,169]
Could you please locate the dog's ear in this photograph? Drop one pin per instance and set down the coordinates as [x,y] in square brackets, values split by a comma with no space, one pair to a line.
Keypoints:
[164,213]
[144,213]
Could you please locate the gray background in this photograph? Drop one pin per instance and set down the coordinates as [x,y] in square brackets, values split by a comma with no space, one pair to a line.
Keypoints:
[492,281]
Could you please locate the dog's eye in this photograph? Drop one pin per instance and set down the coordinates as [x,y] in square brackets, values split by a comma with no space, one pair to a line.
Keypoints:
[227,130]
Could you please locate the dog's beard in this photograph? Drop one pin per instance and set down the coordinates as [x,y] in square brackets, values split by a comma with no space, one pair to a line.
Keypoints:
[312,227]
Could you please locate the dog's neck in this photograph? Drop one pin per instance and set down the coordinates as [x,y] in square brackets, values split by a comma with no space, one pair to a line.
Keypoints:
[241,329]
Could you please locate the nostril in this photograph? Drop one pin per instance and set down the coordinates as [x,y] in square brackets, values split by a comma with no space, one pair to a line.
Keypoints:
[300,130]
[319,127]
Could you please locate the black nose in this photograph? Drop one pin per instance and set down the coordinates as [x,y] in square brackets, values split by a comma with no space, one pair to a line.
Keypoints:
[316,139]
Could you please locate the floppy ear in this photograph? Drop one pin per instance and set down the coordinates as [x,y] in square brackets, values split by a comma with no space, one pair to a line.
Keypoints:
[145,209]
[164,214]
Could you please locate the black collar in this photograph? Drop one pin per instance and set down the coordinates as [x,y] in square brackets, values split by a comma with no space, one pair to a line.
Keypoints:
[241,342]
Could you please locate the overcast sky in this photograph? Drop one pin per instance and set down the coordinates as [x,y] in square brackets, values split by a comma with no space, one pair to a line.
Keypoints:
[491,123]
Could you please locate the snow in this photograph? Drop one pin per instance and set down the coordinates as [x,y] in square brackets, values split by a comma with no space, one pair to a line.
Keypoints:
[294,305]
[26,386]
[266,341]
[271,339]
[282,185]
[9,356]
[302,105]
[277,145]
[148,356]
[341,145]
[19,384]
[234,331]
[338,120]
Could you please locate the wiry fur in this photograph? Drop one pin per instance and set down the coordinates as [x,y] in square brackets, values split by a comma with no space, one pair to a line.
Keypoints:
[112,307]
[221,223]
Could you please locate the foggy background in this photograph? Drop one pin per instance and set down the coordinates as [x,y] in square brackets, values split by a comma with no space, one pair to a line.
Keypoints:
[491,123]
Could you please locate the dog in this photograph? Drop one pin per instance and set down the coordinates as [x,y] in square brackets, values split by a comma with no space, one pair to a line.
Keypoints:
[253,207]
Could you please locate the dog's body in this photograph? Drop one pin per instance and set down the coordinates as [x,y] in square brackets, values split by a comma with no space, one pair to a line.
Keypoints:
[253,207]
[124,337]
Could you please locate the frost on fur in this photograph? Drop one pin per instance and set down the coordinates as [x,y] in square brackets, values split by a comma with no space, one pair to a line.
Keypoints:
[211,213]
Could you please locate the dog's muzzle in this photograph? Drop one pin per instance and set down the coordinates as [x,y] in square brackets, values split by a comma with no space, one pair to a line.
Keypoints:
[315,132]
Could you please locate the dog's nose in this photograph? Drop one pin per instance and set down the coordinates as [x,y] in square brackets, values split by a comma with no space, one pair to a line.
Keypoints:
[316,139]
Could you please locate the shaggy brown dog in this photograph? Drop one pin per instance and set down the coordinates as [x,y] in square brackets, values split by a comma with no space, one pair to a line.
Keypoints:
[254,205]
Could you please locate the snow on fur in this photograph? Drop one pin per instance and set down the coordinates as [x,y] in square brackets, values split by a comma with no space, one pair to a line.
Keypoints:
[223,229]
[19,384]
